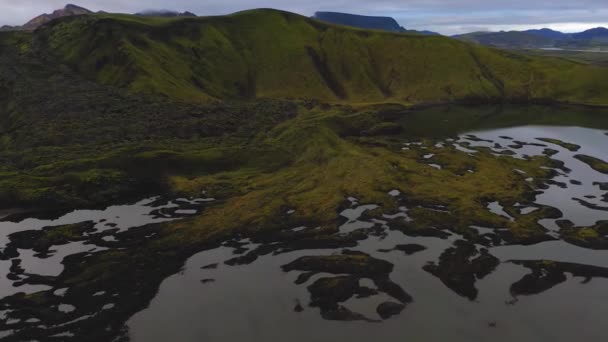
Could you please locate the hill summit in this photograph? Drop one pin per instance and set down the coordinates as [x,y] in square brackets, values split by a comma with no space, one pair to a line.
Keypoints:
[68,10]
[275,54]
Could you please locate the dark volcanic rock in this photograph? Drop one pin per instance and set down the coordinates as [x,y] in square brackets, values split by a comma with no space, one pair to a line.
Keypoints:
[388,309]
[546,274]
[350,267]
[411,229]
[42,240]
[550,152]
[347,263]
[590,205]
[327,292]
[461,266]
[602,186]
[408,249]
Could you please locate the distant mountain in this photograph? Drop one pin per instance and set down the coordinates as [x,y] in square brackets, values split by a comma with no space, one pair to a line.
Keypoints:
[9,28]
[504,39]
[548,33]
[165,13]
[595,33]
[71,10]
[596,38]
[361,21]
[68,10]
[427,32]
[365,22]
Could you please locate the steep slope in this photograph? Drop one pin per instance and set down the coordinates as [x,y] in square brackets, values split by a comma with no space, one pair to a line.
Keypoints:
[269,53]
[64,139]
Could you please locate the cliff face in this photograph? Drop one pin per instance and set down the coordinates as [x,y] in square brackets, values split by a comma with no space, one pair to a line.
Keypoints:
[361,21]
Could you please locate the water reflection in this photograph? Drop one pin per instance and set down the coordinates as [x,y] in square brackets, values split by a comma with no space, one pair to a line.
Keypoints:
[308,283]
[470,288]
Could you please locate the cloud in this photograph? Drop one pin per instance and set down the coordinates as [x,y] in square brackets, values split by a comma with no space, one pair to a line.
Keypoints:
[446,16]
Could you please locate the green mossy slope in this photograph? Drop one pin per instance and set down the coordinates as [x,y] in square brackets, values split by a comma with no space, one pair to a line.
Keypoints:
[269,53]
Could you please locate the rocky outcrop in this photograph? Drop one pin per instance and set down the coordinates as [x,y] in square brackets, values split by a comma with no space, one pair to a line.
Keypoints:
[68,10]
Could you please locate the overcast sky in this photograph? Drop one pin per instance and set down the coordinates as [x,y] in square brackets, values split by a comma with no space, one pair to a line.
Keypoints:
[444,16]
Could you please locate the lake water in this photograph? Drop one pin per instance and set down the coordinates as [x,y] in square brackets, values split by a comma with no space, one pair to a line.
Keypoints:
[256,302]
[216,299]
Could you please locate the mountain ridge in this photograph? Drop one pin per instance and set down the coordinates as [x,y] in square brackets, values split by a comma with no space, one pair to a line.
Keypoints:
[68,10]
[276,54]
[543,38]
[365,22]
[548,33]
[165,13]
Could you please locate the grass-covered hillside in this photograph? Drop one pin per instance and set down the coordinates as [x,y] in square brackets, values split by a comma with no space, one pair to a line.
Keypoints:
[97,108]
[268,53]
[68,141]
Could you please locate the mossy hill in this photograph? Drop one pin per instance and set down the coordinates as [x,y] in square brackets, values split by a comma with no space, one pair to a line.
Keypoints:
[100,109]
[269,53]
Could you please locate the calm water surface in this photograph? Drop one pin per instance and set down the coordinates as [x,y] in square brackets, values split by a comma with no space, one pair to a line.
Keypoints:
[258,301]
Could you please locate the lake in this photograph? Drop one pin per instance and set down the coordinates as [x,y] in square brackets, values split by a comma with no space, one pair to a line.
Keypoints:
[373,279]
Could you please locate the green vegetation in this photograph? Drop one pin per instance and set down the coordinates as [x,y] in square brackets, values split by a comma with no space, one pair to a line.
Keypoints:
[587,57]
[42,240]
[149,106]
[595,163]
[566,145]
[267,53]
